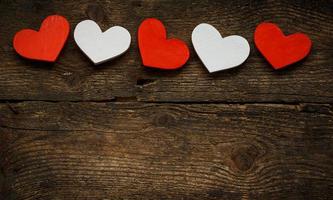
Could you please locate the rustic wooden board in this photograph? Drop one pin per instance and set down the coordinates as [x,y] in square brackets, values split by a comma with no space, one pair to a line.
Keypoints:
[74,78]
[165,151]
[119,131]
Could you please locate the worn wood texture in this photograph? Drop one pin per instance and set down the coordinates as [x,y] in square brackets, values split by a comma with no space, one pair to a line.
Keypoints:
[166,151]
[119,131]
[74,78]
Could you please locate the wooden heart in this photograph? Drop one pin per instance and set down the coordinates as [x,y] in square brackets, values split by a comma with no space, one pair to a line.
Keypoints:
[219,53]
[47,43]
[98,46]
[156,50]
[278,49]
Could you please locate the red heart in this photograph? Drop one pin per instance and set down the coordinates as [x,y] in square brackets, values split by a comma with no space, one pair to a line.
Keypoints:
[46,44]
[156,50]
[278,49]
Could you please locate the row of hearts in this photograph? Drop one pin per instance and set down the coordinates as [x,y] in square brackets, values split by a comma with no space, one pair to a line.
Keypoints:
[156,50]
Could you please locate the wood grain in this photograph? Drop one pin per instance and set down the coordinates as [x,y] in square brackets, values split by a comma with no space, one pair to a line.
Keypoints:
[74,78]
[166,151]
[120,131]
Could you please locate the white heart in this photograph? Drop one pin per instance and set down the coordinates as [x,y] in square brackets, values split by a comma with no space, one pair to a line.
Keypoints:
[219,53]
[98,46]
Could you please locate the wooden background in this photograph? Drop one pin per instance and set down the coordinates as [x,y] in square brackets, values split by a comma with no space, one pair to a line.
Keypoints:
[70,130]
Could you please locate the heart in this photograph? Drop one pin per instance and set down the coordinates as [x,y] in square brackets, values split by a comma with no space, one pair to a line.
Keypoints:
[218,53]
[156,50]
[98,46]
[278,49]
[47,43]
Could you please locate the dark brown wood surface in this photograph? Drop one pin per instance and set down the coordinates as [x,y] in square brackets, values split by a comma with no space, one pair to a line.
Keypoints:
[70,130]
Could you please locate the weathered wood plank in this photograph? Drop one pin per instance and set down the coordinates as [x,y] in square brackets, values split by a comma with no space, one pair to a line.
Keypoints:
[165,151]
[73,78]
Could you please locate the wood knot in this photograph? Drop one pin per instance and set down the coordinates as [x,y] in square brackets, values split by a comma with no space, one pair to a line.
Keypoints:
[95,12]
[164,120]
[244,157]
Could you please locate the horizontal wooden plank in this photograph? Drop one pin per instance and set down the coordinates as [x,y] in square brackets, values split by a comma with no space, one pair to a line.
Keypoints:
[255,81]
[165,151]
[73,77]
